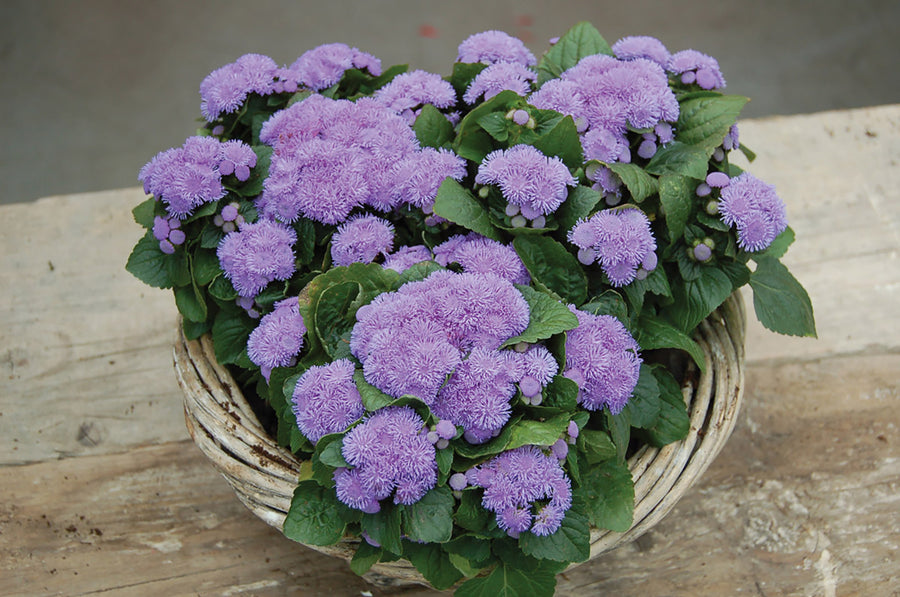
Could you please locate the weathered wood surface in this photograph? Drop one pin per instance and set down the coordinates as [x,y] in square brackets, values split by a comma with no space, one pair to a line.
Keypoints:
[101,492]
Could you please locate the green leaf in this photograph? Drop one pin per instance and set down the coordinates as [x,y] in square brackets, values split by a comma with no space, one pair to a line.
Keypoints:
[570,543]
[654,333]
[596,446]
[509,581]
[561,393]
[253,186]
[230,332]
[145,212]
[696,299]
[579,204]
[778,247]
[547,317]
[336,316]
[328,451]
[205,267]
[222,289]
[673,422]
[562,141]
[704,121]
[463,74]
[474,549]
[676,194]
[496,125]
[609,302]
[432,128]
[644,404]
[608,494]
[581,40]
[417,272]
[384,527]
[781,303]
[455,203]
[433,563]
[430,520]
[148,264]
[620,431]
[679,158]
[179,267]
[470,514]
[472,141]
[190,303]
[519,432]
[640,184]
[737,272]
[372,397]
[313,517]
[553,267]
[365,557]
[194,329]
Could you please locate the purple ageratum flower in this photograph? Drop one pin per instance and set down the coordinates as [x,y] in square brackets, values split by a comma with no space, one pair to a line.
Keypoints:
[410,90]
[405,257]
[225,89]
[389,451]
[753,207]
[634,92]
[498,77]
[278,338]
[257,254]
[184,178]
[694,66]
[538,369]
[237,158]
[602,358]
[641,46]
[477,395]
[325,400]
[361,239]
[491,47]
[620,240]
[477,254]
[562,96]
[324,65]
[515,482]
[305,120]
[417,177]
[527,178]
[605,145]
[322,180]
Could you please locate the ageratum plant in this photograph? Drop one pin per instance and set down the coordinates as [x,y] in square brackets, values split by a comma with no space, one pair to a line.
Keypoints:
[452,293]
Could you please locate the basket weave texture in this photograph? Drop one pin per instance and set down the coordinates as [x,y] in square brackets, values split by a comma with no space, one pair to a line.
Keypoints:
[264,475]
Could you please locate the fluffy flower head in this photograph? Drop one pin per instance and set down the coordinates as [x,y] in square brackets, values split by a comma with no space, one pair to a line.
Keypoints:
[753,207]
[527,178]
[325,400]
[257,254]
[361,239]
[324,66]
[491,47]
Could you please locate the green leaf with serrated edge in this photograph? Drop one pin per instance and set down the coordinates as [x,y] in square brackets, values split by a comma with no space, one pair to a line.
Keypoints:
[737,272]
[704,121]
[609,302]
[430,520]
[547,317]
[517,433]
[190,303]
[644,404]
[455,203]
[581,40]
[474,549]
[384,527]
[561,393]
[562,141]
[639,184]
[596,446]
[778,247]
[578,205]
[712,222]
[470,515]
[444,459]
[570,543]
[179,268]
[417,272]
[222,289]
[433,563]
[372,398]
[676,194]
[330,452]
[673,423]
[205,267]
[607,492]
[473,142]
[313,516]
[463,74]
[230,332]
[549,263]
[432,128]
[696,299]
[464,565]
[679,158]
[365,557]
[619,426]
[506,580]
[496,125]
[654,333]
[145,212]
[194,329]
[781,303]
[335,316]
[148,264]
[573,468]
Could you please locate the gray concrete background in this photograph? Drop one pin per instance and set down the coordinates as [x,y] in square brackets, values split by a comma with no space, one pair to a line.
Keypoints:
[93,89]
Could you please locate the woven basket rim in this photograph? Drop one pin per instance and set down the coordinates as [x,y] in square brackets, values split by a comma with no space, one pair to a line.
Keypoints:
[263,474]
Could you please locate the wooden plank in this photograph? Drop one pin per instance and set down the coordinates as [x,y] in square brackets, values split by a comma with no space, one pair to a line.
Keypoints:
[802,501]
[84,346]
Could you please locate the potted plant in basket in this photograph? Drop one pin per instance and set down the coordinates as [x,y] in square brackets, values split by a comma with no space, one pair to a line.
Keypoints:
[465,312]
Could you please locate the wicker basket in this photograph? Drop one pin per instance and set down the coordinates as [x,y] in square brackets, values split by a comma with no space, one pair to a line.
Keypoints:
[264,475]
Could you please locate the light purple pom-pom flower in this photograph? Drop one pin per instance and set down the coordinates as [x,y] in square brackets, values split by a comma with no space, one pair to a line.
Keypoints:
[326,400]
[477,254]
[257,254]
[278,338]
[237,158]
[491,47]
[416,88]
[641,46]
[405,257]
[621,240]
[753,207]
[419,175]
[694,66]
[602,358]
[225,89]
[184,178]
[498,77]
[527,178]
[324,65]
[361,239]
